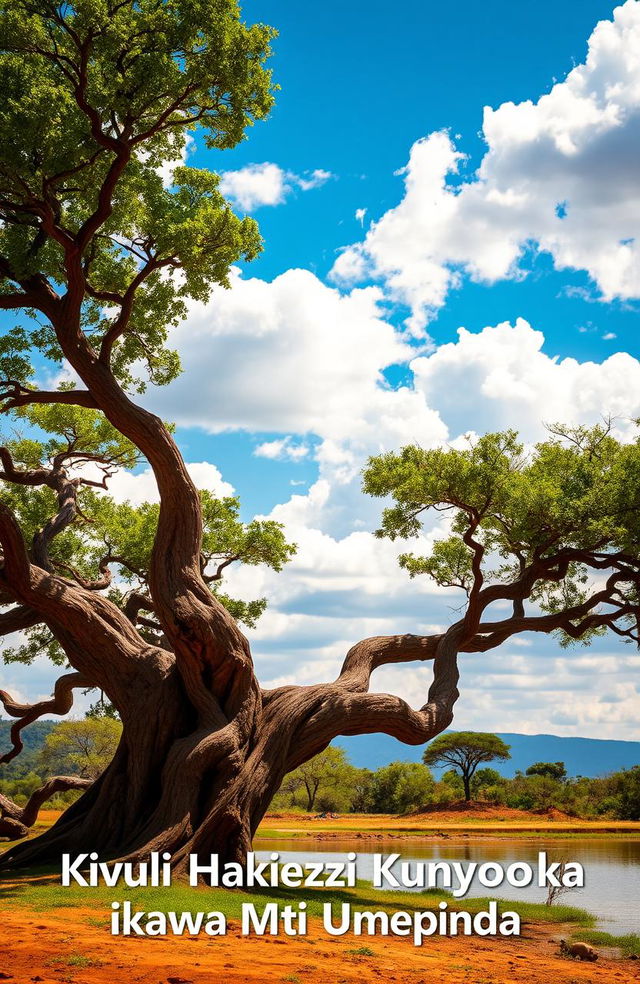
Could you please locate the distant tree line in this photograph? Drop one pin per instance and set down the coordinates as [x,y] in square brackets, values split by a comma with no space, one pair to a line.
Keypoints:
[329,783]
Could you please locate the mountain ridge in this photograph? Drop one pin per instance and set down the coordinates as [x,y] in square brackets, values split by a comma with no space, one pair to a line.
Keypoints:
[581,756]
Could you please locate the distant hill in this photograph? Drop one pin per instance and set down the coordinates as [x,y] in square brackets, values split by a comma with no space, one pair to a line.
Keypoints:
[33,738]
[581,756]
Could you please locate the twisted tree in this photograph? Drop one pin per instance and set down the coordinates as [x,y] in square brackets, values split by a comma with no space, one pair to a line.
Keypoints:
[102,256]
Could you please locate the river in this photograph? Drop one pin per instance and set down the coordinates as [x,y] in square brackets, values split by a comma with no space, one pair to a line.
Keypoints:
[611,867]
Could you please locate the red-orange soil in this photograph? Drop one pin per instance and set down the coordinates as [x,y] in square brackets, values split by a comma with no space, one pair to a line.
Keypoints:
[63,946]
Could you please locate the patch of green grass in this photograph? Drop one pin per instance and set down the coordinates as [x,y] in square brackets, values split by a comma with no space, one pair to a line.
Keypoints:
[629,944]
[361,951]
[540,912]
[43,894]
[292,979]
[77,960]
[97,922]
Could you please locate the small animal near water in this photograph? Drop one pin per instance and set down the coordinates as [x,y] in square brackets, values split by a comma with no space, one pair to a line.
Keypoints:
[579,951]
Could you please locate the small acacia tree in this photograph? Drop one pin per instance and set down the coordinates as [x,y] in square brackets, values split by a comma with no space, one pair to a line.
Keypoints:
[101,258]
[465,751]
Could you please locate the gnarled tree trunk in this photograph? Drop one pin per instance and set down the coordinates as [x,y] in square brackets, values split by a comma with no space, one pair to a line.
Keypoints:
[203,748]
[177,786]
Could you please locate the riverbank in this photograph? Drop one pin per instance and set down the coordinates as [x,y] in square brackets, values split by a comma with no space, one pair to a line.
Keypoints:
[479,820]
[72,944]
[52,934]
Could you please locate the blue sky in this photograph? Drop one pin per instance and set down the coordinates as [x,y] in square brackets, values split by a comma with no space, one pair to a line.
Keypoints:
[353,105]
[397,210]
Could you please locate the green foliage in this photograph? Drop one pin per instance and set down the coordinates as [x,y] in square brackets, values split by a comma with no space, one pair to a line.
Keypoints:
[128,532]
[554,770]
[624,793]
[78,434]
[463,748]
[465,751]
[330,782]
[576,491]
[69,438]
[102,708]
[400,787]
[535,792]
[19,790]
[323,782]
[84,748]
[487,777]
[80,82]
[83,442]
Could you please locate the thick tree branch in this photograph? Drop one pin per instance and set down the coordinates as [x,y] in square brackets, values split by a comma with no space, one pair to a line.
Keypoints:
[15,569]
[60,703]
[363,658]
[18,619]
[13,394]
[15,820]
[346,708]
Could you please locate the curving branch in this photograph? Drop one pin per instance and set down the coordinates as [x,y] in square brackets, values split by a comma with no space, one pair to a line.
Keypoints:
[345,707]
[57,479]
[368,654]
[15,820]
[14,394]
[18,619]
[60,702]
[97,584]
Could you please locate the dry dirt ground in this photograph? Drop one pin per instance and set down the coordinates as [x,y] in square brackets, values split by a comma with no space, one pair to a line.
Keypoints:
[65,946]
[73,946]
[456,817]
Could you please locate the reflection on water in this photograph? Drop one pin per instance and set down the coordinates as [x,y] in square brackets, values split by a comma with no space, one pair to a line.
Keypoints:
[611,867]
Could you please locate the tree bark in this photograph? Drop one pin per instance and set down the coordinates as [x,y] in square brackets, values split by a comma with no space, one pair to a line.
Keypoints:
[177,786]
[467,787]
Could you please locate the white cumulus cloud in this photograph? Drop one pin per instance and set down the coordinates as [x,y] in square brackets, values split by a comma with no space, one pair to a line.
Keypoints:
[257,185]
[501,377]
[294,357]
[560,172]
[139,487]
[283,449]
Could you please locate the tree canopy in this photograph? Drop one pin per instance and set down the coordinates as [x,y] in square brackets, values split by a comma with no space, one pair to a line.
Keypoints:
[323,779]
[536,525]
[83,747]
[106,236]
[552,770]
[99,97]
[465,751]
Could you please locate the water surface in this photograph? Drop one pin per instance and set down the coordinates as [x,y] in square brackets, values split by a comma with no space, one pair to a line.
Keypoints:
[611,867]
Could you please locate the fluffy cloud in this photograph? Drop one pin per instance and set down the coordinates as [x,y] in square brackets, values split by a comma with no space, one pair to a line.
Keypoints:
[560,172]
[283,449]
[140,487]
[294,357]
[500,377]
[267,184]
